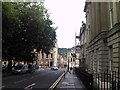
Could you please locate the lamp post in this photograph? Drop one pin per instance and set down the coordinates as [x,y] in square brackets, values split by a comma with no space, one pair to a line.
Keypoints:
[68,64]
[68,55]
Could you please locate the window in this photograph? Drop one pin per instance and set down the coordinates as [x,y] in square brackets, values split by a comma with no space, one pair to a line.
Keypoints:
[92,58]
[46,55]
[71,59]
[98,62]
[119,57]
[51,55]
[42,55]
[110,57]
[111,13]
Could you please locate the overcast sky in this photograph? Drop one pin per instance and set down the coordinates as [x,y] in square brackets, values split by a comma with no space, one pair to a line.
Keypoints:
[67,16]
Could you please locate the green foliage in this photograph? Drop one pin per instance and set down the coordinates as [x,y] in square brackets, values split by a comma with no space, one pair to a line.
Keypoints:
[64,55]
[63,52]
[26,26]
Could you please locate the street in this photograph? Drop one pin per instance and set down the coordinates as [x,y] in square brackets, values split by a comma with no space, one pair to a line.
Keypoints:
[39,80]
[60,44]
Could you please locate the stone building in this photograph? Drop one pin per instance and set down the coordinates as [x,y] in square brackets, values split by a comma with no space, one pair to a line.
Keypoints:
[102,36]
[62,62]
[48,60]
[77,57]
[100,42]
[73,57]
[82,46]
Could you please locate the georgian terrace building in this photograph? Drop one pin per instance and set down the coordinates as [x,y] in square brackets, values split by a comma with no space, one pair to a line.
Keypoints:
[100,41]
[102,36]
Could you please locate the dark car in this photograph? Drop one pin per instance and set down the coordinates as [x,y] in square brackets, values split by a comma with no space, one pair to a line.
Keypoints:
[31,68]
[4,68]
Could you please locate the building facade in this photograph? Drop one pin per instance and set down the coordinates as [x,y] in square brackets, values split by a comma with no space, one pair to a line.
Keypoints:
[102,35]
[82,46]
[77,56]
[100,42]
[73,57]
[48,60]
[62,62]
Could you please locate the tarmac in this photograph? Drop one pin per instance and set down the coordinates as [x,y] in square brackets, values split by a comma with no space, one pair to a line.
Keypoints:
[7,74]
[70,82]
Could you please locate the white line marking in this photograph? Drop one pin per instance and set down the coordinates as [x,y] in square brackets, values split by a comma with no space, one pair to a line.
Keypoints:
[20,81]
[30,86]
[56,82]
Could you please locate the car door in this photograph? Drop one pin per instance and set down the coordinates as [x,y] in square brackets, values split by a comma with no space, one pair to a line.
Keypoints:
[26,68]
[23,69]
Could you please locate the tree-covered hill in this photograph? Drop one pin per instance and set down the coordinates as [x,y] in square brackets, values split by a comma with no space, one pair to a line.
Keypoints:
[63,51]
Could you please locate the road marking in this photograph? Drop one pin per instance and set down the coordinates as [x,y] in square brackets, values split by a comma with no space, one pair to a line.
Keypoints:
[20,81]
[71,84]
[29,87]
[75,77]
[56,82]
[64,82]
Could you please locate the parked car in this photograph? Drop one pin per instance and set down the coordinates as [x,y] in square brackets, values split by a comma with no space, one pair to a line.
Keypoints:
[54,68]
[31,68]
[20,69]
[4,68]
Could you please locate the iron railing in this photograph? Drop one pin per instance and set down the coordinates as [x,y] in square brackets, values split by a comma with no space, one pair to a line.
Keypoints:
[107,80]
[85,77]
[99,81]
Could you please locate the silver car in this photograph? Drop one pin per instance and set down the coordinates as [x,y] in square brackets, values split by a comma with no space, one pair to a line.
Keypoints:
[54,68]
[20,69]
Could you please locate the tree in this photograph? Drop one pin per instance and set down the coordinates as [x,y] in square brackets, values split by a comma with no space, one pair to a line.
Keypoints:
[26,26]
[63,52]
[9,22]
[64,55]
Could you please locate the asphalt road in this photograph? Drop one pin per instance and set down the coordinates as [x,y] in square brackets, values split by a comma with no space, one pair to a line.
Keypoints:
[31,81]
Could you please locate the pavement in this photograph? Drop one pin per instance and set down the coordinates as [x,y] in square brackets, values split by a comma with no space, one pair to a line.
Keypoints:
[70,82]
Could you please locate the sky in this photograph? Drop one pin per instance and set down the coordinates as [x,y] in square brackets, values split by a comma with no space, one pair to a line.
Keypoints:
[67,16]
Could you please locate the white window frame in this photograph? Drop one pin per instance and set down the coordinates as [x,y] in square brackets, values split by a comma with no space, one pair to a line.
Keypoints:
[111,13]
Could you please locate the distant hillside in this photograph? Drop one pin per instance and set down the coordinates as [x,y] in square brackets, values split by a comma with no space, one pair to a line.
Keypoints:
[63,51]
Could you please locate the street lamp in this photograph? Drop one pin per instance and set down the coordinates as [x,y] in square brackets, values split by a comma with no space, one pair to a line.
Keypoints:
[68,56]
[68,64]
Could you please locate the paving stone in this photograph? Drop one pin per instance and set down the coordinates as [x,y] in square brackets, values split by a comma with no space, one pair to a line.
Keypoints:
[64,82]
[71,82]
